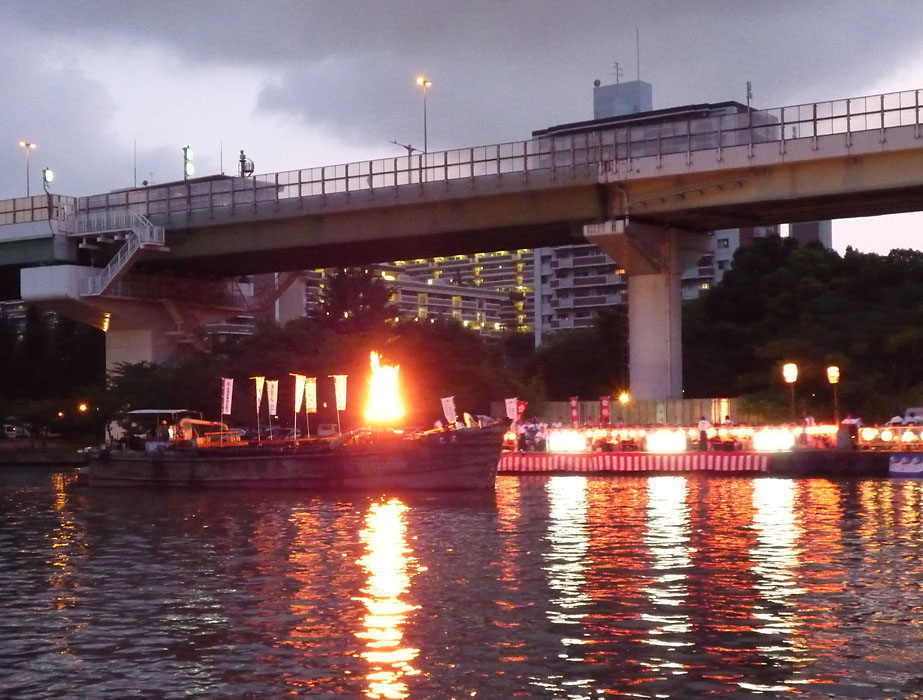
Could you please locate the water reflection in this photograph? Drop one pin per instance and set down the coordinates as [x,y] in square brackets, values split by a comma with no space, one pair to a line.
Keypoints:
[387,561]
[566,587]
[668,541]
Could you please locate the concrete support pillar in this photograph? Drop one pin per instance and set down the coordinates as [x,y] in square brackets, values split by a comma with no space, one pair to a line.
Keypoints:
[655,340]
[138,345]
[654,259]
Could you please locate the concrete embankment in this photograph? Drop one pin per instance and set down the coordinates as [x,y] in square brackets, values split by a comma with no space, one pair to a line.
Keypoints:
[18,454]
[829,463]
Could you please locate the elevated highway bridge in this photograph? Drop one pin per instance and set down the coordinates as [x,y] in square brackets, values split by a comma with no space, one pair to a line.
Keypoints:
[648,194]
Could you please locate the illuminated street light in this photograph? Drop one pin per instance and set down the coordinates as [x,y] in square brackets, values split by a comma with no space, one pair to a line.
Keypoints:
[790,373]
[424,83]
[833,376]
[624,398]
[29,146]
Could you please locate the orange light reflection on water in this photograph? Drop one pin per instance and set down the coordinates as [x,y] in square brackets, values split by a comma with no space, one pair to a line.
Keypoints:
[387,561]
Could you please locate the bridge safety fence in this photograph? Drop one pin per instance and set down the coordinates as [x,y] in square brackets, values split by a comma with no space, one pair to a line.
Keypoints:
[577,153]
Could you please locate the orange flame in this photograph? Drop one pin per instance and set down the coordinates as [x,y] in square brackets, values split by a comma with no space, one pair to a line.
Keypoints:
[384,397]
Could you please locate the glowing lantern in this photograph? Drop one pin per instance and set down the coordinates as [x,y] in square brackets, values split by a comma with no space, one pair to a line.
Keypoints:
[384,396]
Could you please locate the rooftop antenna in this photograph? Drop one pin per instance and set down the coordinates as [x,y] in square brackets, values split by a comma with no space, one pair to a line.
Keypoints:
[221,155]
[618,72]
[135,143]
[749,93]
[638,50]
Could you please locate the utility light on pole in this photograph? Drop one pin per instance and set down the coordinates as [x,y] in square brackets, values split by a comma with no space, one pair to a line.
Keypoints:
[188,167]
[47,179]
[29,146]
[790,373]
[425,84]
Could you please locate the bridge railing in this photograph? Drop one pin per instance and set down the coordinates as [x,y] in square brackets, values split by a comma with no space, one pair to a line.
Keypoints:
[44,207]
[564,155]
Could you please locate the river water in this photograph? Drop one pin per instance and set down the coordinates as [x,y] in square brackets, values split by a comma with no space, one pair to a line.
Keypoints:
[553,587]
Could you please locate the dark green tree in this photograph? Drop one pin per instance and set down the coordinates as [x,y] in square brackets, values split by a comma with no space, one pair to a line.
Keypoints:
[354,299]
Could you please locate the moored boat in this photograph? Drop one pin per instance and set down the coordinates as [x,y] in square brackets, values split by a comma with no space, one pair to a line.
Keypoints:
[366,460]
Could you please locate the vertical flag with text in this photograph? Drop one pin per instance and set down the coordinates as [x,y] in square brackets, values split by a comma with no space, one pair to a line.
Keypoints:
[604,412]
[512,408]
[339,385]
[574,410]
[448,408]
[227,394]
[520,409]
[272,395]
[260,381]
[310,394]
[299,391]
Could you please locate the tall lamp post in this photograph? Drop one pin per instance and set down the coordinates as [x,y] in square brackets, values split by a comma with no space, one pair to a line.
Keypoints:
[833,376]
[790,373]
[424,83]
[29,146]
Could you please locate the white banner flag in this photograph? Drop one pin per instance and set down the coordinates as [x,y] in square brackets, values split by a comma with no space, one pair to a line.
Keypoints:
[260,381]
[227,393]
[310,394]
[448,408]
[299,391]
[512,408]
[339,384]
[272,395]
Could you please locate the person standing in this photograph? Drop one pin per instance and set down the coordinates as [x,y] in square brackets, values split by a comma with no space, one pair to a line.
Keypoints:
[704,426]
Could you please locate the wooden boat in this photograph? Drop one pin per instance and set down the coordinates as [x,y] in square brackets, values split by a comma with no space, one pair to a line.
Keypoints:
[367,460]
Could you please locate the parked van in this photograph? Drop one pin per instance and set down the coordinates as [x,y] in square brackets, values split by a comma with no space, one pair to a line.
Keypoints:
[14,431]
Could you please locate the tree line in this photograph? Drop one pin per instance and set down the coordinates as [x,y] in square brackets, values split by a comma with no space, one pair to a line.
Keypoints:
[778,303]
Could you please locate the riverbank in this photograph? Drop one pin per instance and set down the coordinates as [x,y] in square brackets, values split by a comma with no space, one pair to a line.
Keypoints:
[49,452]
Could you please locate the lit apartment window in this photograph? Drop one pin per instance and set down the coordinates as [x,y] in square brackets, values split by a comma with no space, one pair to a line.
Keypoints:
[723,243]
[704,285]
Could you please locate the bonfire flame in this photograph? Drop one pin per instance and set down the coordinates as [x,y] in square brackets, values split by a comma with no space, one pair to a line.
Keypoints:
[384,398]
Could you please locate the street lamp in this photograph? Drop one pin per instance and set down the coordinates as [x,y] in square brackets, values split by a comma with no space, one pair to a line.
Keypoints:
[424,83]
[833,376]
[29,146]
[790,373]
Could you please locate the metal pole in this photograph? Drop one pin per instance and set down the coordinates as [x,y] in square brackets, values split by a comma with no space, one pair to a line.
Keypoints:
[836,407]
[792,387]
[425,141]
[27,171]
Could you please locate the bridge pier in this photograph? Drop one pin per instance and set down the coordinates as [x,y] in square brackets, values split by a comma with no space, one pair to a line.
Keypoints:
[654,259]
[155,328]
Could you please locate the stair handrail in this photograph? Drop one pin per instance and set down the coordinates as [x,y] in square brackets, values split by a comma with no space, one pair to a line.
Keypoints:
[140,234]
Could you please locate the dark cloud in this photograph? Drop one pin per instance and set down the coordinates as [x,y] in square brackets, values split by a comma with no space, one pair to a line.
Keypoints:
[500,69]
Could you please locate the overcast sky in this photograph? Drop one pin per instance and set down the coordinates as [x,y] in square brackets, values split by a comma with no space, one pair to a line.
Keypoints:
[111,90]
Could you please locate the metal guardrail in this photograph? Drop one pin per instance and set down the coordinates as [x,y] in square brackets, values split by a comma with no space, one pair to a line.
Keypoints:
[561,155]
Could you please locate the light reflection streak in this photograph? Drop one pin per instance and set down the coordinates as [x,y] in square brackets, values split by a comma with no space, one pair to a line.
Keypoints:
[668,540]
[63,540]
[775,564]
[565,565]
[387,561]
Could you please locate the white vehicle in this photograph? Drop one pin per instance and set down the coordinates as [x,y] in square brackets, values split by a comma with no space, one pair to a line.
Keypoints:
[913,416]
[14,431]
[327,429]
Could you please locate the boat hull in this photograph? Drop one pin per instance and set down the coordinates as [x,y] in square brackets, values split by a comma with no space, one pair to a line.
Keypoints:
[460,460]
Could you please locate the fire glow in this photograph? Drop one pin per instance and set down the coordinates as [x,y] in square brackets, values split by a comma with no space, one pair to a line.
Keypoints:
[385,405]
